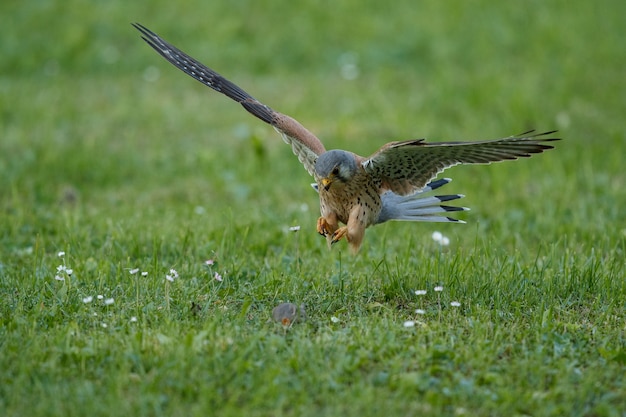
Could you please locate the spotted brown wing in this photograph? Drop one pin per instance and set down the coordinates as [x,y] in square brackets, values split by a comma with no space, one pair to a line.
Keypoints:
[405,167]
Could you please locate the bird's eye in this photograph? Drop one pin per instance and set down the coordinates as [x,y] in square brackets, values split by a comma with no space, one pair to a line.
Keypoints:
[335,171]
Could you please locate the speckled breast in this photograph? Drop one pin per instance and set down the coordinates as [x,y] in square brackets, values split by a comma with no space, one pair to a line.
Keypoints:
[342,199]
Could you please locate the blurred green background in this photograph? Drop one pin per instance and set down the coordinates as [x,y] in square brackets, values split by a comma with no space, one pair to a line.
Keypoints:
[113,155]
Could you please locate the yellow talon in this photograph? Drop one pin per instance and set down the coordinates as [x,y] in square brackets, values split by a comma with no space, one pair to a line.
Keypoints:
[323,227]
[339,234]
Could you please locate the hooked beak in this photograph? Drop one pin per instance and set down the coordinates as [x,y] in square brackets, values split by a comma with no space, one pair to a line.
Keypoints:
[326,182]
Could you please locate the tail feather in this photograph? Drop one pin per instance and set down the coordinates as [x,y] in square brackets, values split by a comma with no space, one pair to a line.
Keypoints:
[449,197]
[433,185]
[419,208]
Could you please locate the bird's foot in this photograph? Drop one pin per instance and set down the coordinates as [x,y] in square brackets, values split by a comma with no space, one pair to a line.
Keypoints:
[339,234]
[323,227]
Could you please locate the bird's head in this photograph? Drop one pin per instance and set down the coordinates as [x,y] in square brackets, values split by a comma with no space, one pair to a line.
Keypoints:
[335,166]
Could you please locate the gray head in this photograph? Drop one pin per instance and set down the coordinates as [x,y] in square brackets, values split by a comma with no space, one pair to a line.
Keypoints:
[335,165]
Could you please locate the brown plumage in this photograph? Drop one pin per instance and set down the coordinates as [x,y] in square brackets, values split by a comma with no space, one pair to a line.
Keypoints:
[358,191]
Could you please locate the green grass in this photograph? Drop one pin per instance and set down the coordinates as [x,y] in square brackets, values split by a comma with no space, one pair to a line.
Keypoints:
[122,171]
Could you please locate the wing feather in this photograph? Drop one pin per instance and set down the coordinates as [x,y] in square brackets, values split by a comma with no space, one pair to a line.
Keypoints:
[405,167]
[304,144]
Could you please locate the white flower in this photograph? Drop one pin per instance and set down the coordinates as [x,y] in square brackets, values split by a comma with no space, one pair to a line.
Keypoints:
[294,228]
[172,275]
[420,292]
[109,301]
[62,269]
[100,296]
[61,254]
[134,271]
[455,304]
[144,274]
[133,319]
[334,319]
[409,323]
[209,262]
[440,238]
[88,299]
[104,325]
[420,311]
[438,288]
[217,277]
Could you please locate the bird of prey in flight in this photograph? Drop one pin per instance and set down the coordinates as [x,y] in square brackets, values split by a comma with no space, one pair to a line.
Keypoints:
[359,191]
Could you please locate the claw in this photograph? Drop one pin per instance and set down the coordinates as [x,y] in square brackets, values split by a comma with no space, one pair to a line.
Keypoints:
[339,234]
[323,228]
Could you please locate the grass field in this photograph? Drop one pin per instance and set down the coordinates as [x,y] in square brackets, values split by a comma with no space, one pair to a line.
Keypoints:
[115,168]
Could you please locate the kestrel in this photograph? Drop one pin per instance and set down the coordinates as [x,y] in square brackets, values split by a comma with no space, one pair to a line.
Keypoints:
[362,191]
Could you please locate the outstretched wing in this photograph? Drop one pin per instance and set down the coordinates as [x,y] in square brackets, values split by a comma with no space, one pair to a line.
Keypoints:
[405,167]
[304,143]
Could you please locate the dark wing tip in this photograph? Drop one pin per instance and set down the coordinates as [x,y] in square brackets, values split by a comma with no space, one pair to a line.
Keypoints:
[147,33]
[531,135]
[202,73]
[528,133]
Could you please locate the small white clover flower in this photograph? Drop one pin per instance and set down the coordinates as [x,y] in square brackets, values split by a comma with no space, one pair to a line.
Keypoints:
[144,274]
[69,271]
[408,323]
[170,278]
[59,278]
[173,273]
[134,271]
[109,301]
[217,277]
[209,262]
[61,254]
[100,296]
[334,319]
[61,268]
[455,304]
[438,288]
[294,228]
[420,311]
[88,299]
[133,319]
[420,292]
[104,325]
